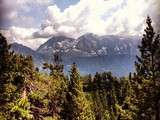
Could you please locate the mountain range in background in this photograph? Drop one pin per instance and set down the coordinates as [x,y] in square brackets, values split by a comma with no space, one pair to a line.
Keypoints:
[90,52]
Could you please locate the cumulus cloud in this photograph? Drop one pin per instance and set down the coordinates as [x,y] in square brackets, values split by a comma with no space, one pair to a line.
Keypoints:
[19,20]
[97,16]
[102,17]
[48,31]
[17,12]
[23,36]
[156,15]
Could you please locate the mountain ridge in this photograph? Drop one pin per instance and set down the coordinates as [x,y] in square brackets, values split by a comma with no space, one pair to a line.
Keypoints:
[90,45]
[97,53]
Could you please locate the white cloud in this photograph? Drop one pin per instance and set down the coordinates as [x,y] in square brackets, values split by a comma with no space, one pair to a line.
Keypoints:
[100,17]
[156,14]
[22,33]
[17,12]
[48,31]
[23,36]
[96,16]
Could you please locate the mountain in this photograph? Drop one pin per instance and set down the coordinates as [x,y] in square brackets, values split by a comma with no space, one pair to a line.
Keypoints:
[21,49]
[90,52]
[90,45]
[107,45]
[56,44]
[63,45]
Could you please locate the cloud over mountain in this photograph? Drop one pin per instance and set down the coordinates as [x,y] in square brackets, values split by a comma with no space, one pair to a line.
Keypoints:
[111,17]
[97,16]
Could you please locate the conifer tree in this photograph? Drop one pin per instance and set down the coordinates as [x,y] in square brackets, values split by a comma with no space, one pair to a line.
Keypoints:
[56,67]
[128,109]
[78,106]
[22,75]
[146,65]
[16,75]
[6,88]
[98,99]
[57,87]
[5,57]
[147,69]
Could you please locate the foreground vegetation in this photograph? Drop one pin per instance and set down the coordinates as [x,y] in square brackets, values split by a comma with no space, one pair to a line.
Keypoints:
[27,94]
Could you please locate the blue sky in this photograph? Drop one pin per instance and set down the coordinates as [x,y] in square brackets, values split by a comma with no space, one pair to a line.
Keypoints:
[62,4]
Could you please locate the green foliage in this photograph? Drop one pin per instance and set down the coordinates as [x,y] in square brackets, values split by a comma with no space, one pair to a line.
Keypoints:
[28,94]
[77,106]
[147,63]
[21,109]
[147,68]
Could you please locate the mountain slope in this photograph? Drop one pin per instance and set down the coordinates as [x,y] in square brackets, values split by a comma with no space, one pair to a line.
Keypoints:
[56,44]
[90,52]
[107,45]
[90,45]
[21,49]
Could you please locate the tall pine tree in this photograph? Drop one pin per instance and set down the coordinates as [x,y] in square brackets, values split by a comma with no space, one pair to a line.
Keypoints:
[147,66]
[78,108]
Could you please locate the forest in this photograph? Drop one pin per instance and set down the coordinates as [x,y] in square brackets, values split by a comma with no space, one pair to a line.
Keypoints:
[26,93]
